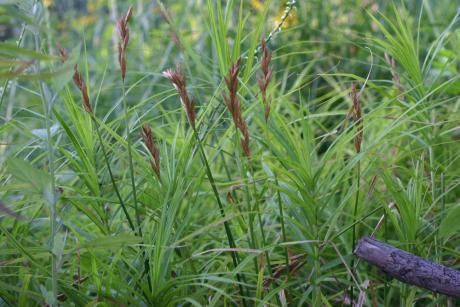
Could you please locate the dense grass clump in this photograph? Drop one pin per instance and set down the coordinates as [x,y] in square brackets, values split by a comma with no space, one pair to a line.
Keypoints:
[225,153]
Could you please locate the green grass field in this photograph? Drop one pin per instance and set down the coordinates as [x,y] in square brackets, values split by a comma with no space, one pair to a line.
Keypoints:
[225,153]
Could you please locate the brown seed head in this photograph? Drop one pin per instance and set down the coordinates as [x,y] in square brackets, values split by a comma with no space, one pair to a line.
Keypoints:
[123,31]
[149,141]
[245,140]
[358,117]
[232,101]
[81,84]
[177,79]
[264,78]
[234,106]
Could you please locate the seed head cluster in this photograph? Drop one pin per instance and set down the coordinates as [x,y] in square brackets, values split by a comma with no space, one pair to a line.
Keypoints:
[264,78]
[234,105]
[81,84]
[358,117]
[177,79]
[123,31]
[149,141]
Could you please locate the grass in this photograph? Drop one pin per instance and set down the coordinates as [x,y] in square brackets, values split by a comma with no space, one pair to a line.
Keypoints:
[247,177]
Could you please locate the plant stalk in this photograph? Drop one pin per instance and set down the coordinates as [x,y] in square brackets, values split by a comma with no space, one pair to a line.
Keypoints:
[231,241]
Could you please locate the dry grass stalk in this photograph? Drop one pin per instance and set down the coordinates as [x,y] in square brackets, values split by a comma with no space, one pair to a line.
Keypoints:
[177,79]
[81,84]
[264,78]
[358,117]
[149,141]
[234,105]
[123,31]
[295,263]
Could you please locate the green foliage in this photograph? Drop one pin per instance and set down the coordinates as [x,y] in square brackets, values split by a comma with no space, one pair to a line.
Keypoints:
[85,220]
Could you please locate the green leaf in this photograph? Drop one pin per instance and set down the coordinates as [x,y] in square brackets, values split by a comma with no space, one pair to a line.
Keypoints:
[58,245]
[112,242]
[27,173]
[14,50]
[450,224]
[47,295]
[39,76]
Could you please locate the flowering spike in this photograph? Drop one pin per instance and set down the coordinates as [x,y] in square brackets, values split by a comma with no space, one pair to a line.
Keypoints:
[263,80]
[358,117]
[234,106]
[123,31]
[149,141]
[81,84]
[177,79]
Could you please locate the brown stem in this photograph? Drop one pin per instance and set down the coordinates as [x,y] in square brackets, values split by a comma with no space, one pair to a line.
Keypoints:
[408,268]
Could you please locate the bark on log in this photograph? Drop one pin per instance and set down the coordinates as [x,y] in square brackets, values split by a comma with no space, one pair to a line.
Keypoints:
[409,268]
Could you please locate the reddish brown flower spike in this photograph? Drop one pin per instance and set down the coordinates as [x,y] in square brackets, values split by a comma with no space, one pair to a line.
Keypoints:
[123,31]
[81,84]
[149,141]
[177,79]
[234,105]
[232,101]
[358,117]
[265,77]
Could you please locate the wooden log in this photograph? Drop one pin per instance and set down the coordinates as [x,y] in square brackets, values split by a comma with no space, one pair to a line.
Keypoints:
[409,268]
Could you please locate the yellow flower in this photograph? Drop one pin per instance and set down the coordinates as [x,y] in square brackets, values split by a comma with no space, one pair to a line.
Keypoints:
[48,3]
[258,5]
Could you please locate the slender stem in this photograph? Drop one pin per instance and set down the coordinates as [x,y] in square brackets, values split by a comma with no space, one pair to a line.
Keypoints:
[51,199]
[287,12]
[109,168]
[133,185]
[355,212]
[259,216]
[283,228]
[231,241]
[120,199]
[252,237]
[130,158]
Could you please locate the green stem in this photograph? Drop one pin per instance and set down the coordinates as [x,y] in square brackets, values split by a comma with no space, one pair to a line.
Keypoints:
[52,192]
[109,168]
[133,185]
[283,228]
[259,216]
[231,241]
[120,199]
[252,239]
[130,158]
[52,201]
[355,212]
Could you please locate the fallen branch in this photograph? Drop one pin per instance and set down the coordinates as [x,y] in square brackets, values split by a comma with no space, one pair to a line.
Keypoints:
[409,268]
